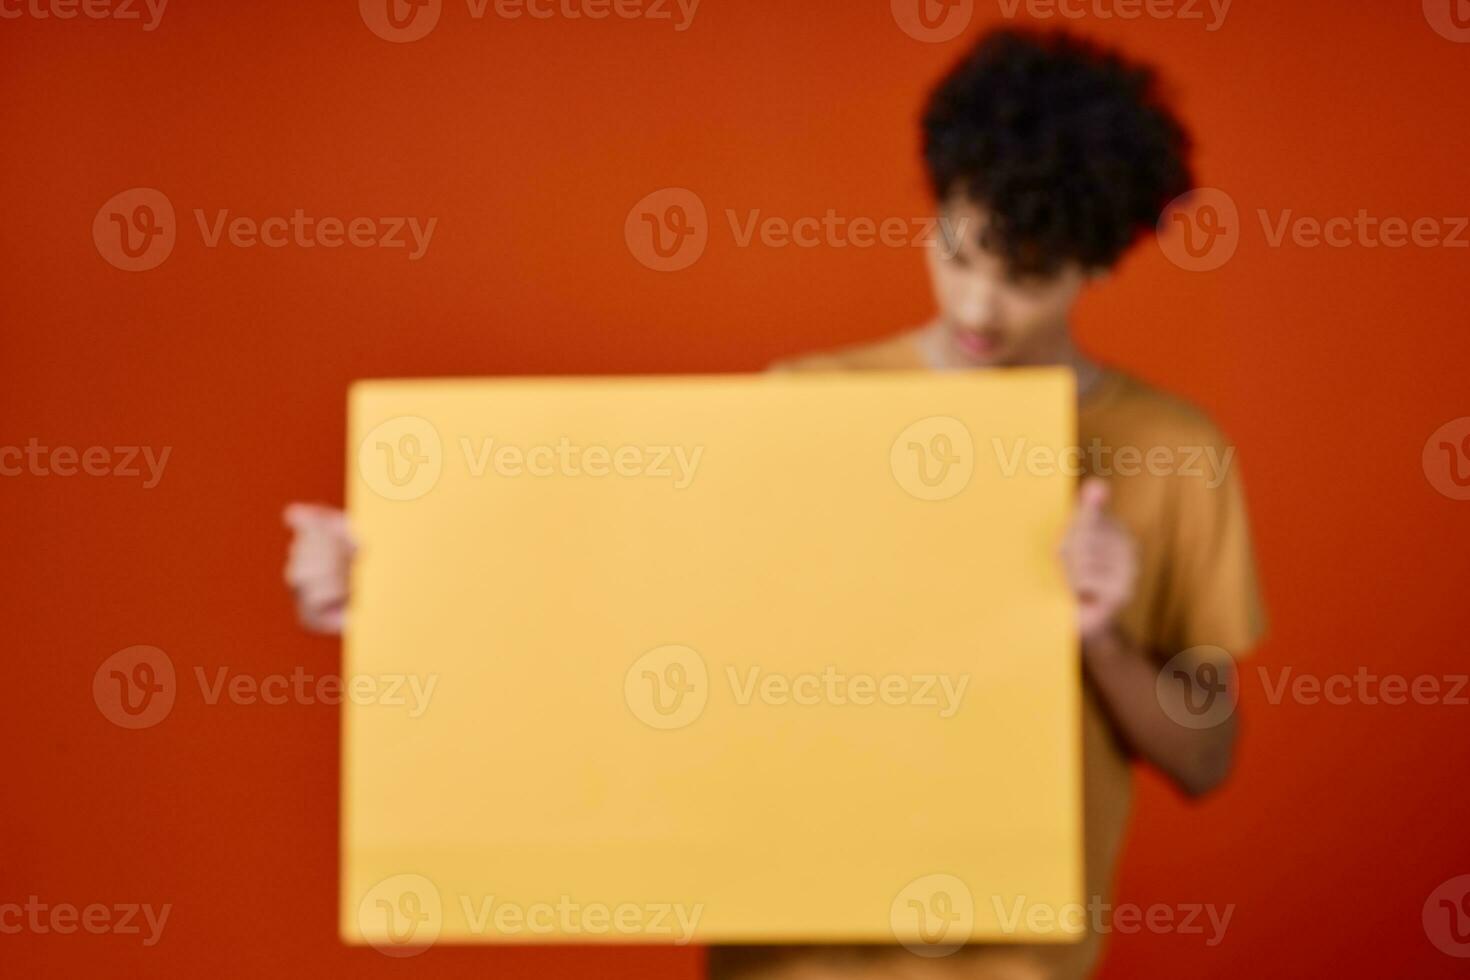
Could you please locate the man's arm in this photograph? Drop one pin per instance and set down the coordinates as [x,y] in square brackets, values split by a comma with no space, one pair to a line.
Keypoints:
[1143,711]
[1101,561]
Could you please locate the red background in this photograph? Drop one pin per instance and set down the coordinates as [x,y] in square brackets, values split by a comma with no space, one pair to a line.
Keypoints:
[530,141]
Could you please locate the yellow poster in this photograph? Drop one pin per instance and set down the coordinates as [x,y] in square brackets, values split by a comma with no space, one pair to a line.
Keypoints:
[710,659]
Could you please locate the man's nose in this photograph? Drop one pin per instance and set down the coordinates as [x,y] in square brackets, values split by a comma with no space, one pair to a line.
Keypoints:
[974,307]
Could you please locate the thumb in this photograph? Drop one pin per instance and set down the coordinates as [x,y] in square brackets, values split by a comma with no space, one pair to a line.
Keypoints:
[1092,498]
[313,517]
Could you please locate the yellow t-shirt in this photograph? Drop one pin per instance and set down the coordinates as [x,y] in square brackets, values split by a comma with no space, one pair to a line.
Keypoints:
[1176,486]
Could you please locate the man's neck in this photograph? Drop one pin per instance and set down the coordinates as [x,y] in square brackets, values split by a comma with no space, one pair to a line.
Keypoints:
[1088,371]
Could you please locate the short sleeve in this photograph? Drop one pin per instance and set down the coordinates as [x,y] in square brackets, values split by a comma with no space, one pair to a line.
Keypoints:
[1213,596]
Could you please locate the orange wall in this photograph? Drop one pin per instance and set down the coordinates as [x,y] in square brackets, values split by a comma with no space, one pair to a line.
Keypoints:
[529,141]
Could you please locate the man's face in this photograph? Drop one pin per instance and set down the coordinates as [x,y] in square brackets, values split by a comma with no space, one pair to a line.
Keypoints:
[989,316]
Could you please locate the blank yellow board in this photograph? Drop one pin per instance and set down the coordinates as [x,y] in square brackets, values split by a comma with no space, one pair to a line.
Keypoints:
[728,659]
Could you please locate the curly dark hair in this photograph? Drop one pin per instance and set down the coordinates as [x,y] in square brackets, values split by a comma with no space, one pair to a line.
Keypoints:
[1068,146]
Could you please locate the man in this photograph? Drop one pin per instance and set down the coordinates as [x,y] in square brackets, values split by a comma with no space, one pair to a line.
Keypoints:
[1049,157]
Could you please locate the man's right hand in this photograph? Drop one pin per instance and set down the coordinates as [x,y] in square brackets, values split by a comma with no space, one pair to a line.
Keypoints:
[319,565]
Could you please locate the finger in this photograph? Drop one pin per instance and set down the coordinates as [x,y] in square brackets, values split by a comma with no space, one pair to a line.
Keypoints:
[1101,578]
[328,621]
[310,544]
[299,515]
[335,620]
[1106,579]
[1078,534]
[1104,547]
[1093,541]
[1092,497]
[331,585]
[330,539]
[308,518]
[319,557]
[320,592]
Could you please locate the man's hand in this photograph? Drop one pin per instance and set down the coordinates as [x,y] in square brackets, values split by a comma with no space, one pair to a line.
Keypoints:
[1101,562]
[319,564]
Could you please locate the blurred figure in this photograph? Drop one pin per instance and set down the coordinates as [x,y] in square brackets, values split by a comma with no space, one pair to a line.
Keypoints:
[1048,158]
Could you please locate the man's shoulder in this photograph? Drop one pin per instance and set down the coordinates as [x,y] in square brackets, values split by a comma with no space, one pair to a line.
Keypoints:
[894,352]
[1158,414]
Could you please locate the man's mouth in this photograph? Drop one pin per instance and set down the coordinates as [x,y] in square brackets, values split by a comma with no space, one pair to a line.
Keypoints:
[977,344]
